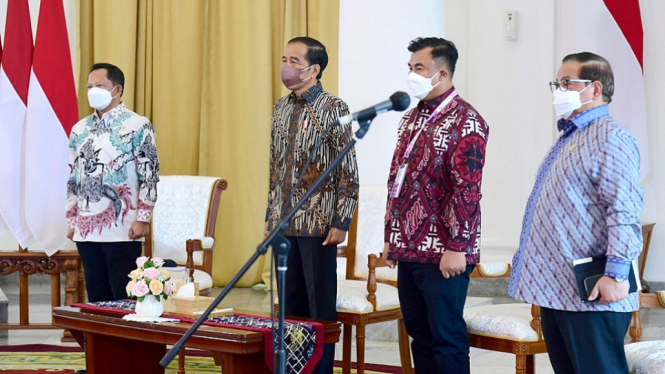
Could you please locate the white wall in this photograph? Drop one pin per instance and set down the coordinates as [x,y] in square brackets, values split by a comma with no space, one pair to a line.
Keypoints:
[506,80]
[653,23]
[374,35]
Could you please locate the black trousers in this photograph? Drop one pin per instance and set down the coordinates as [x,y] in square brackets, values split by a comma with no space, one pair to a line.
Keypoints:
[585,342]
[311,287]
[433,310]
[106,266]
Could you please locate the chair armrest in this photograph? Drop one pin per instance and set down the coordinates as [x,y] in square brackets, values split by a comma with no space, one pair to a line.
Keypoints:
[491,270]
[536,323]
[380,262]
[204,243]
[341,251]
[652,300]
[372,259]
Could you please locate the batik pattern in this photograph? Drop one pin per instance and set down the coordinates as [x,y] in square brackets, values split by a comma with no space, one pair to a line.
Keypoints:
[297,125]
[586,201]
[114,170]
[438,207]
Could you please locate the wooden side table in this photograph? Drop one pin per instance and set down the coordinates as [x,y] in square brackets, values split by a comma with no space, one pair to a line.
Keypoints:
[29,263]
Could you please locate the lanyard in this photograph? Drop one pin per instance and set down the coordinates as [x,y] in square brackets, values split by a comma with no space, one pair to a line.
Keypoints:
[436,111]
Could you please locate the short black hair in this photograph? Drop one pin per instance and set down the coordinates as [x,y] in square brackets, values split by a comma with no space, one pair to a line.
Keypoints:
[113,73]
[444,51]
[316,52]
[595,68]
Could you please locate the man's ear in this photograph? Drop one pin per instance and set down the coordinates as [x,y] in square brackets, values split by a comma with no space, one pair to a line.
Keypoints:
[443,73]
[316,70]
[597,89]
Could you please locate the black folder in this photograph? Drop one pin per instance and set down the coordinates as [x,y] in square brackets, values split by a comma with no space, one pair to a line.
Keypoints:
[589,270]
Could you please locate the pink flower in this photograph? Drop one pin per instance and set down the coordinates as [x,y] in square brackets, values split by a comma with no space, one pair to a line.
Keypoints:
[141,260]
[140,289]
[157,261]
[169,287]
[151,273]
[156,287]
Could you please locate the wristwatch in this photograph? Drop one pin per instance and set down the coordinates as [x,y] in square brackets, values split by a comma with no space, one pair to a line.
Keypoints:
[619,280]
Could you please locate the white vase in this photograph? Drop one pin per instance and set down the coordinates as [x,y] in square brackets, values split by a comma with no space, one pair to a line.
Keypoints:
[150,307]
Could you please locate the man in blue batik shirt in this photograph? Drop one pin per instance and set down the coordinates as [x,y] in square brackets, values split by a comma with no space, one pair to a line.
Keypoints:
[586,201]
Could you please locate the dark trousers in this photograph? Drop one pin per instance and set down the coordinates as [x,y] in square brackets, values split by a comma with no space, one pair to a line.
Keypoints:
[585,342]
[311,287]
[106,266]
[433,307]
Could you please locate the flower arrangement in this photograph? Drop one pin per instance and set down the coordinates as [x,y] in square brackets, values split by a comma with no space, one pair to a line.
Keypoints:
[149,279]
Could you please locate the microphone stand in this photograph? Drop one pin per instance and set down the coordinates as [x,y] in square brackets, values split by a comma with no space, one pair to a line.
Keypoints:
[281,246]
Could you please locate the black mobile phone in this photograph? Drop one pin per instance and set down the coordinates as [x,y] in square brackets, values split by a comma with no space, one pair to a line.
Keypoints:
[590,283]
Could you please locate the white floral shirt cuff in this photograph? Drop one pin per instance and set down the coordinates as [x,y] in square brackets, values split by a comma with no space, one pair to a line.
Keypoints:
[144,215]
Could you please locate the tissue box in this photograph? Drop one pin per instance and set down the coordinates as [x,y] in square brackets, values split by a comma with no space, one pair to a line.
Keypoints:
[179,284]
[192,307]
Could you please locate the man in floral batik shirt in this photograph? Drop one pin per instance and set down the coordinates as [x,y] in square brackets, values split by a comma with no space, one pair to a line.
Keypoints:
[112,187]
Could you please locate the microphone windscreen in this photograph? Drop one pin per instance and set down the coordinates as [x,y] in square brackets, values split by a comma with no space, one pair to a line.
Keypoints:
[400,100]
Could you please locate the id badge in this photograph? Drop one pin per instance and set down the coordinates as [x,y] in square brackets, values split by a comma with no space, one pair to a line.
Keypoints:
[399,181]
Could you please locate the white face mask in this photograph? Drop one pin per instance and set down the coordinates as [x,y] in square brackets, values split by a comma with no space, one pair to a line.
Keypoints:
[565,103]
[100,98]
[420,86]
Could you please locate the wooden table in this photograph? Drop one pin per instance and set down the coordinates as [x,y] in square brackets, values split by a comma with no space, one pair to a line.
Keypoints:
[114,345]
[29,263]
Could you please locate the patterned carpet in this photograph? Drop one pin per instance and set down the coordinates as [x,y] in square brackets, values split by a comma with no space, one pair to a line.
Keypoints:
[40,358]
[49,359]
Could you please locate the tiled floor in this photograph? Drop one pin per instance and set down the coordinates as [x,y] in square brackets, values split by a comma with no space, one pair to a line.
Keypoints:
[377,351]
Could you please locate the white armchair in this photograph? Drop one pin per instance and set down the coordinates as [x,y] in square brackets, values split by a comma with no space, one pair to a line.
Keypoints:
[368,294]
[509,328]
[183,226]
[646,357]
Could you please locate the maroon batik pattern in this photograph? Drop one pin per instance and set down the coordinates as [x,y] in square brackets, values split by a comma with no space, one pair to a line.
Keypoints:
[438,207]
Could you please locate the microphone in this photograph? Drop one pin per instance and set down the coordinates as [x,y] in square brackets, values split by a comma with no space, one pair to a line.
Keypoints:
[398,101]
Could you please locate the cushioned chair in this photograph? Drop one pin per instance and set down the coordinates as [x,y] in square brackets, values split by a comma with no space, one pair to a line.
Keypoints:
[368,295]
[646,357]
[511,328]
[183,226]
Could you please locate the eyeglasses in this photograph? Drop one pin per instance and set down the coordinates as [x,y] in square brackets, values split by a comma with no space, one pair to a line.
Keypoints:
[565,83]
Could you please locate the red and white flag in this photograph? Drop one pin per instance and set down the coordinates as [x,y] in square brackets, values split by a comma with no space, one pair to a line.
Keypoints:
[613,29]
[14,81]
[52,111]
[3,226]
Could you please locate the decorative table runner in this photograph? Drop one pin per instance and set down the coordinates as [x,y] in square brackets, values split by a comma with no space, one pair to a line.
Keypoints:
[303,341]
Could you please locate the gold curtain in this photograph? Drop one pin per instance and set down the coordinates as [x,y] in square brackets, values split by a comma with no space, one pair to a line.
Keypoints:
[206,72]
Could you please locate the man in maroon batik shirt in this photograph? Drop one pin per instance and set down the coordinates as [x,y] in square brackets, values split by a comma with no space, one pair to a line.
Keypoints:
[432,225]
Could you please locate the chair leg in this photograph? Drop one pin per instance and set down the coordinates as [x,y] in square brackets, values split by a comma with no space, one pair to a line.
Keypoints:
[525,364]
[346,349]
[404,349]
[181,361]
[360,349]
[530,364]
